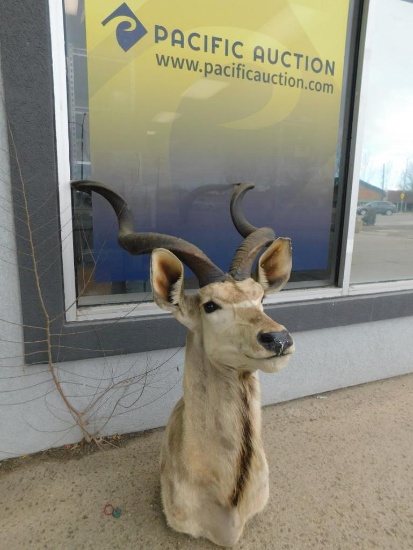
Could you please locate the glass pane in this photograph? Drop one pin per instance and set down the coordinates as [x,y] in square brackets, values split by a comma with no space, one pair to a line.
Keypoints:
[172,103]
[383,244]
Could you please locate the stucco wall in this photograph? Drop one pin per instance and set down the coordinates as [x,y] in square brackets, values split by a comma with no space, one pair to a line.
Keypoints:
[33,416]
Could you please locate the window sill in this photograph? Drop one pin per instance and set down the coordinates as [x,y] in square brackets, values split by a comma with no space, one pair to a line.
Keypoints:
[155,330]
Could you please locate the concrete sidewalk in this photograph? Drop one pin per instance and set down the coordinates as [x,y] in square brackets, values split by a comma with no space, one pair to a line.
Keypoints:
[341,477]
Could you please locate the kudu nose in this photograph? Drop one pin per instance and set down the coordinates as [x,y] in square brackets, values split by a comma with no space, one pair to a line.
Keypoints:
[278,342]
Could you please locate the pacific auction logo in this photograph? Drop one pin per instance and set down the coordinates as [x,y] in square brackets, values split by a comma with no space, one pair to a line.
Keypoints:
[130,30]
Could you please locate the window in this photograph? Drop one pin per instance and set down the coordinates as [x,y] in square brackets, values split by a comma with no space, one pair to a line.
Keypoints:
[174,109]
[383,244]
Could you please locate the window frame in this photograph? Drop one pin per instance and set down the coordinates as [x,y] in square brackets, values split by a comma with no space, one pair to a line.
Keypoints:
[36,67]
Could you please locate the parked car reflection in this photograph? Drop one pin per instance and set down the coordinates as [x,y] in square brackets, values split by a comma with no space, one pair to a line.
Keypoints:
[379,207]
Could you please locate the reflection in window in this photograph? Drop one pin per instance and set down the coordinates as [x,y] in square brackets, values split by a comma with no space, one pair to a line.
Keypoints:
[383,244]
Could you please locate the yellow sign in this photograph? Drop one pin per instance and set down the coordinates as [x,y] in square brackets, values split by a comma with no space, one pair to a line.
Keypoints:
[184,94]
[402,195]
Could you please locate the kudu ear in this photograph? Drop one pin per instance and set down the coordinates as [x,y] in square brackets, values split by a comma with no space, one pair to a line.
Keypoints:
[167,278]
[274,266]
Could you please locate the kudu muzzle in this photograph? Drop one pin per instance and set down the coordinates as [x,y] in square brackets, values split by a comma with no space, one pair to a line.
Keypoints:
[278,342]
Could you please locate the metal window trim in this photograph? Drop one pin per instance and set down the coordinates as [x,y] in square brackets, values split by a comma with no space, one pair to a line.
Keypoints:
[57,40]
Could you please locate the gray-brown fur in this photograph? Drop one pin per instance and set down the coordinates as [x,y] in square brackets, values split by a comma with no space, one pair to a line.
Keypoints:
[214,474]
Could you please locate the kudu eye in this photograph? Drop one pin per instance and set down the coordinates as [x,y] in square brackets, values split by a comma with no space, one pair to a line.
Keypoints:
[210,306]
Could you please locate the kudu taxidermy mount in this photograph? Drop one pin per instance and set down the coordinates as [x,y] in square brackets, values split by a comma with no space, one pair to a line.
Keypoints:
[214,474]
